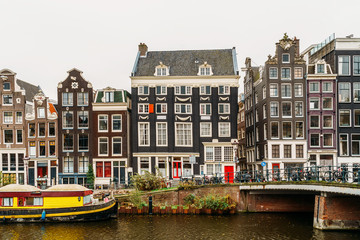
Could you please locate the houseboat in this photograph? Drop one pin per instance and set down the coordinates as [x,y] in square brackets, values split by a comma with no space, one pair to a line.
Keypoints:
[59,203]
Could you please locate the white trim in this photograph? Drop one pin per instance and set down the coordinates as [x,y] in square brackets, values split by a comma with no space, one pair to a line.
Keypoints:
[107,122]
[210,134]
[107,146]
[349,117]
[112,146]
[112,123]
[224,108]
[157,134]
[219,129]
[191,134]
[148,135]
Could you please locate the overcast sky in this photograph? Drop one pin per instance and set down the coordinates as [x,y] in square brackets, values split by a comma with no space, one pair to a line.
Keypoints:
[41,39]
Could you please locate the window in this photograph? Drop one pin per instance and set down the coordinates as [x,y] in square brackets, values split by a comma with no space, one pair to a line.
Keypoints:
[344,118]
[314,121]
[344,65]
[286,130]
[285,74]
[328,140]
[320,68]
[314,87]
[224,90]
[298,90]
[51,129]
[224,108]
[161,129]
[314,103]
[343,145]
[41,129]
[205,71]
[32,147]
[68,119]
[8,117]
[285,58]
[356,117]
[144,134]
[68,164]
[116,123]
[7,99]
[18,118]
[273,90]
[205,109]
[116,145]
[298,73]
[144,165]
[109,96]
[275,151]
[52,148]
[68,142]
[161,71]
[67,99]
[264,92]
[299,129]
[205,90]
[219,153]
[264,111]
[19,137]
[274,130]
[83,119]
[183,108]
[224,129]
[83,164]
[286,109]
[285,90]
[103,123]
[42,150]
[143,108]
[298,109]
[344,92]
[356,65]
[32,132]
[265,131]
[83,142]
[327,103]
[41,112]
[314,140]
[8,136]
[103,146]
[274,109]
[183,90]
[287,151]
[83,99]
[356,87]
[160,90]
[299,151]
[327,87]
[355,144]
[6,86]
[183,133]
[205,129]
[327,122]
[143,90]
[7,202]
[273,73]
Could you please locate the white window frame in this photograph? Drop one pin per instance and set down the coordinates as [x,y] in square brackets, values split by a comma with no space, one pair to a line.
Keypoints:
[356,89]
[272,68]
[310,139]
[107,122]
[303,130]
[332,120]
[278,110]
[16,118]
[203,109]
[349,117]
[302,73]
[40,112]
[347,144]
[355,118]
[340,68]
[7,104]
[332,140]
[163,90]
[331,103]
[85,98]
[226,108]
[353,72]
[210,129]
[157,134]
[107,146]
[284,78]
[226,90]
[141,90]
[277,89]
[22,138]
[220,128]
[339,98]
[318,100]
[144,107]
[68,103]
[331,84]
[188,108]
[147,137]
[291,130]
[8,120]
[302,109]
[112,146]
[314,84]
[282,109]
[188,90]
[112,122]
[318,121]
[78,117]
[358,141]
[177,143]
[285,84]
[203,90]
[282,57]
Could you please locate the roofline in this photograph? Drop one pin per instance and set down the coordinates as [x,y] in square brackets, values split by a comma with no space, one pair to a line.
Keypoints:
[135,63]
[6,69]
[183,77]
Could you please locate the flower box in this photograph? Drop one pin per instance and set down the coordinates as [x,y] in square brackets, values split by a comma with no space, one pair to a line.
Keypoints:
[156,210]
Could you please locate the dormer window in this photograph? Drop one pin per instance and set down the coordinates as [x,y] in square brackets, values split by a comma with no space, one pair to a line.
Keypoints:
[286,58]
[6,86]
[161,70]
[205,70]
[109,96]
[320,68]
[143,90]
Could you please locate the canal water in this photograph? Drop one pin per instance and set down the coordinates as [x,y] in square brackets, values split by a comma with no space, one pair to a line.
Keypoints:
[241,226]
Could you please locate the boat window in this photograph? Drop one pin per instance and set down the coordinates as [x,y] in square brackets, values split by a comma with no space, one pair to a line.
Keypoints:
[7,202]
[31,201]
[87,199]
[21,201]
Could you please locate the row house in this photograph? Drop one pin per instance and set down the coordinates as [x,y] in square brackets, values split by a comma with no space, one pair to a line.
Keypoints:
[276,109]
[184,112]
[74,107]
[16,96]
[111,134]
[343,56]
[41,139]
[241,134]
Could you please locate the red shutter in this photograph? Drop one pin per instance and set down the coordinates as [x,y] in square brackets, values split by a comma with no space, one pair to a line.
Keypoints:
[151,108]
[99,169]
[107,169]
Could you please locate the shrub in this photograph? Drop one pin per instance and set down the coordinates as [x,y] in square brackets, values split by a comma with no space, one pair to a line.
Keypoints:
[214,202]
[188,184]
[147,181]
[136,200]
[189,199]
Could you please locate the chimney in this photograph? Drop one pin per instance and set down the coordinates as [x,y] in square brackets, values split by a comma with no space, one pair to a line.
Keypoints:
[143,49]
[297,46]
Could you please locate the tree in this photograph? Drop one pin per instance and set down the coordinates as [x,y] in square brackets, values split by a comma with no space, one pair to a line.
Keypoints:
[90,177]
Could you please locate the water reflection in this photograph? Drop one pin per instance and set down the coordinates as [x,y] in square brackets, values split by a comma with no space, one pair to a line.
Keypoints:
[242,226]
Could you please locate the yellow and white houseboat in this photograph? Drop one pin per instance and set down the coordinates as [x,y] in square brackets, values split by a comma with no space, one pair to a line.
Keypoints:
[59,203]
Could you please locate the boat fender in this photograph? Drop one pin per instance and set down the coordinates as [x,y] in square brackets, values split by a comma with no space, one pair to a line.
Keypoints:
[43,215]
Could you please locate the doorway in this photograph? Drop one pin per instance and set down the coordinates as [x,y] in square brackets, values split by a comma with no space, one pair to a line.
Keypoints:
[176,169]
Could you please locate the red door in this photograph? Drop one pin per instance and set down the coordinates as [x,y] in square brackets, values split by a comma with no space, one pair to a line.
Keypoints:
[276,171]
[229,174]
[176,169]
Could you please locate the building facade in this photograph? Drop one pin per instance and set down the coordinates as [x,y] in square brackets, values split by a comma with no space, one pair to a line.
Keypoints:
[41,139]
[184,112]
[241,134]
[111,134]
[75,98]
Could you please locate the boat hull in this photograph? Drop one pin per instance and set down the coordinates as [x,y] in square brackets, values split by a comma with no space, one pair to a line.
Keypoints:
[74,214]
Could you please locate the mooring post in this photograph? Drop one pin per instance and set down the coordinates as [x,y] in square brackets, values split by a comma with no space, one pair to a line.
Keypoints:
[150,205]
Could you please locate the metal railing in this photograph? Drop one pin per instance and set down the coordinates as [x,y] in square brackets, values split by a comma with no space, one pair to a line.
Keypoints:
[291,174]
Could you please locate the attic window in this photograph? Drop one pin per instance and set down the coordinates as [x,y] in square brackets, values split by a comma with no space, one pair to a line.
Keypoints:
[109,96]
[6,86]
[205,70]
[320,68]
[161,70]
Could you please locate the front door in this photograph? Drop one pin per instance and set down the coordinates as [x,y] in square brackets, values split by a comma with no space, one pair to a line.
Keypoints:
[176,169]
[229,174]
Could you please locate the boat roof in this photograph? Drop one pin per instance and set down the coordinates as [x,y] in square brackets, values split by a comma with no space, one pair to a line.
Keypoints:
[67,187]
[18,188]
